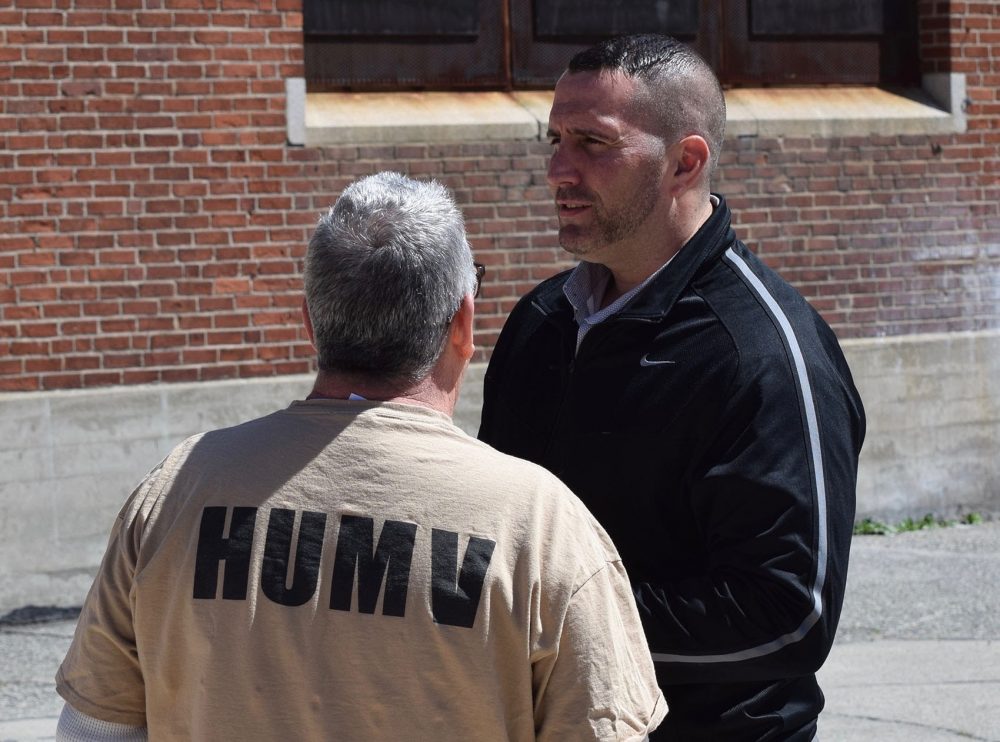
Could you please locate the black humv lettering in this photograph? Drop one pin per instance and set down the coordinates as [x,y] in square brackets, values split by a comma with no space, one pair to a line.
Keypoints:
[278,551]
[391,560]
[235,551]
[454,603]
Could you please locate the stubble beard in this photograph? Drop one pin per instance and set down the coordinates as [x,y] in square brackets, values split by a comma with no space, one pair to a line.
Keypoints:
[608,227]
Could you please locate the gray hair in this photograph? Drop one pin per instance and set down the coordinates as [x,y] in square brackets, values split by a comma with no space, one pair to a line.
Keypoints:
[386,270]
[684,94]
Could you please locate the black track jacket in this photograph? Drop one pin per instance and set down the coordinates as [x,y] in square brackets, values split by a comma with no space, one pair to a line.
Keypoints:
[713,428]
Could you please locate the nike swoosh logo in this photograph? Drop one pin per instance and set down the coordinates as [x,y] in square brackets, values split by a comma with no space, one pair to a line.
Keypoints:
[647,361]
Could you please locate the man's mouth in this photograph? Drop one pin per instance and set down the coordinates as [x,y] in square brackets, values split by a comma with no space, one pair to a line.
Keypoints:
[572,202]
[571,208]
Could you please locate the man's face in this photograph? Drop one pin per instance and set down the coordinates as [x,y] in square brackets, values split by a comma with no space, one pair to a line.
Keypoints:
[606,170]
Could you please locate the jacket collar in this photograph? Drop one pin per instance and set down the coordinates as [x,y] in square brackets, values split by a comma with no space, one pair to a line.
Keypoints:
[657,298]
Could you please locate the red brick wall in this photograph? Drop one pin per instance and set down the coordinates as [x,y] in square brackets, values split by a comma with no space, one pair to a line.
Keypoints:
[153,220]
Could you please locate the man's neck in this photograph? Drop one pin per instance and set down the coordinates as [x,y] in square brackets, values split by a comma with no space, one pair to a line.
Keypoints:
[626,277]
[425,393]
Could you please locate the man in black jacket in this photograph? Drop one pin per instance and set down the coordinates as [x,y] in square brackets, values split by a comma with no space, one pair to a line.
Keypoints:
[692,398]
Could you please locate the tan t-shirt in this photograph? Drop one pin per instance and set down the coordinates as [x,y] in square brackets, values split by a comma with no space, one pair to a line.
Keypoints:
[359,571]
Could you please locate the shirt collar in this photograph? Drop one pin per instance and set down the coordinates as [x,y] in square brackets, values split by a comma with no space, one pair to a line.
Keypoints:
[585,289]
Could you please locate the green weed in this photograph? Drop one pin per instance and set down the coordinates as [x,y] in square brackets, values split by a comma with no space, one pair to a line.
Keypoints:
[872,527]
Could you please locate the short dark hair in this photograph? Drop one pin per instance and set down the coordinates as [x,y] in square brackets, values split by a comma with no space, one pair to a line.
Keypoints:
[386,269]
[684,93]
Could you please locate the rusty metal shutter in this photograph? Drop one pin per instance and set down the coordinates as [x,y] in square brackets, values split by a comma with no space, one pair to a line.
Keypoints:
[405,44]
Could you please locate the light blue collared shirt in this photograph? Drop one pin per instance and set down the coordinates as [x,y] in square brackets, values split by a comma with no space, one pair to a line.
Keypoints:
[585,289]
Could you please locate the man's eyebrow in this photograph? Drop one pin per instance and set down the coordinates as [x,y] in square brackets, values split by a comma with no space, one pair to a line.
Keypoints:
[583,132]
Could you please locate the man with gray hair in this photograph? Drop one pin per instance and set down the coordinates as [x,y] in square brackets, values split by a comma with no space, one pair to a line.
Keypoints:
[355,567]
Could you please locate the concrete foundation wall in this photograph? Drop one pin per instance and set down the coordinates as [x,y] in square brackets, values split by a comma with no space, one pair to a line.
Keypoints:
[933,404]
[69,459]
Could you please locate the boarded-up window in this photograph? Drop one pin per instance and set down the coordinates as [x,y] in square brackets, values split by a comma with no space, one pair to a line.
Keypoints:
[561,18]
[782,42]
[390,18]
[405,44]
[506,44]
[546,33]
[812,18]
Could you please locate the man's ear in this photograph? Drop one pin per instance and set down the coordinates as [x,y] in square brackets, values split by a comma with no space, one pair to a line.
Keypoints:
[460,331]
[690,162]
[307,321]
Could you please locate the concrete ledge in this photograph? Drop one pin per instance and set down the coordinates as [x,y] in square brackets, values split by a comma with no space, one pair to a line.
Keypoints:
[379,118]
[396,118]
[848,111]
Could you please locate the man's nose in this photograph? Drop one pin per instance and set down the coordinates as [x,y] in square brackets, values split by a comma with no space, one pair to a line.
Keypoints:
[562,170]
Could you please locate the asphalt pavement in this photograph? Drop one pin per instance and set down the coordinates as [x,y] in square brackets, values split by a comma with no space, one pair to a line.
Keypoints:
[917,657]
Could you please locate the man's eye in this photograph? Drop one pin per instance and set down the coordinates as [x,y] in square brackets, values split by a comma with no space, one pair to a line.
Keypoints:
[553,140]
